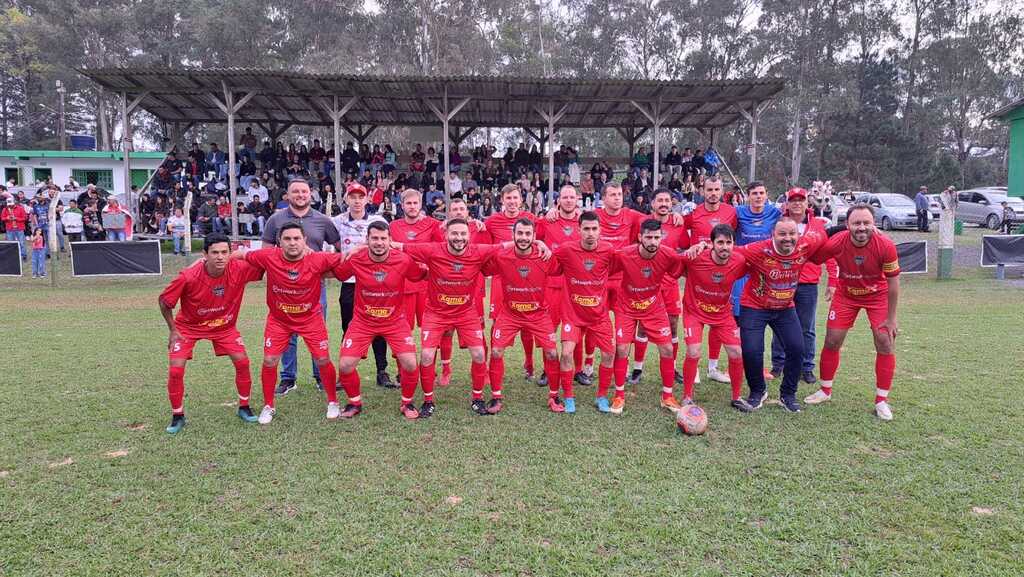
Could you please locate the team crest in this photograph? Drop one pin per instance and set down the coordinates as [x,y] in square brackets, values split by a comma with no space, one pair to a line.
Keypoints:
[379,275]
[567,230]
[647,272]
[717,277]
[293,275]
[457,266]
[524,271]
[588,264]
[859,260]
[786,265]
[410,235]
[218,291]
[758,222]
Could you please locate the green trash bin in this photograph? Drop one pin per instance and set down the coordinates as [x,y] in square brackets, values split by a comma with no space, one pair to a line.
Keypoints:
[958,227]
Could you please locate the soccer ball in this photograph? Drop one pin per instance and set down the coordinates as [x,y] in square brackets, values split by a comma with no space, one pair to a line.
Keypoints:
[692,420]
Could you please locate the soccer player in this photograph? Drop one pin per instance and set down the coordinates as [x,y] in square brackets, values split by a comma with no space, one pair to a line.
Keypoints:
[210,293]
[643,267]
[499,225]
[524,310]
[380,275]
[706,301]
[294,282]
[565,228]
[415,228]
[869,271]
[672,234]
[774,266]
[585,267]
[699,224]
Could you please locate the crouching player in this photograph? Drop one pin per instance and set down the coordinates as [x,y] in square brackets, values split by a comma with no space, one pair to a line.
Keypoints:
[378,311]
[210,293]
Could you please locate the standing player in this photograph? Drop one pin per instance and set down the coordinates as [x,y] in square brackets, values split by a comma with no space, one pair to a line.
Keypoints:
[640,302]
[672,237]
[585,266]
[524,310]
[294,282]
[499,225]
[564,229]
[706,301]
[699,224]
[210,293]
[869,271]
[378,312]
[415,228]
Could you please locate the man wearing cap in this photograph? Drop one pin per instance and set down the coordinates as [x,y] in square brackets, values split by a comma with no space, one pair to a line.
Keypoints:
[15,217]
[921,202]
[352,226]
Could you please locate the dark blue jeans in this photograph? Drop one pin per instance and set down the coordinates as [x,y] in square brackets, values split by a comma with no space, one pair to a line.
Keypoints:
[806,302]
[785,325]
[289,361]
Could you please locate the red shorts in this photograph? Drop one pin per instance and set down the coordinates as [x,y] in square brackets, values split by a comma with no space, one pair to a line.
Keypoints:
[506,326]
[553,298]
[471,334]
[656,328]
[481,296]
[360,335]
[599,335]
[673,300]
[225,343]
[314,332]
[725,329]
[415,304]
[496,298]
[613,293]
[843,313]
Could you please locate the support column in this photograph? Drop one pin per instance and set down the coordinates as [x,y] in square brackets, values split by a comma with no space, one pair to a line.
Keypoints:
[229,106]
[631,135]
[753,116]
[551,117]
[445,116]
[336,115]
[947,229]
[127,146]
[657,118]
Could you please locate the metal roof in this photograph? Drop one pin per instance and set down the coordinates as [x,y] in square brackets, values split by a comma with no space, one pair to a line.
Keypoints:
[114,155]
[283,97]
[1004,112]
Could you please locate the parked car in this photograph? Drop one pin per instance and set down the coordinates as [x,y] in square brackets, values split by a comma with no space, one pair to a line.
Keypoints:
[934,206]
[839,208]
[892,210]
[983,206]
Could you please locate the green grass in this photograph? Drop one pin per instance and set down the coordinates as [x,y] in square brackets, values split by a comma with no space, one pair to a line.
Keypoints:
[832,491]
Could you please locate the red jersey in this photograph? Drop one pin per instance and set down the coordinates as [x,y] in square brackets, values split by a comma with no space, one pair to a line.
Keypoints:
[209,304]
[293,287]
[523,279]
[708,291]
[674,237]
[773,277]
[811,272]
[585,298]
[640,292]
[500,225]
[380,286]
[862,270]
[699,223]
[555,234]
[452,279]
[425,230]
[620,230]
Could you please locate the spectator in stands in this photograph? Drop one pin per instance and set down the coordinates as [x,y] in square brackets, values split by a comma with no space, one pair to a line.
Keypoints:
[177,227]
[390,159]
[454,183]
[71,220]
[117,229]
[92,225]
[417,160]
[15,218]
[473,201]
[207,217]
[257,208]
[248,142]
[674,160]
[640,160]
[468,182]
[246,172]
[431,194]
[349,159]
[437,209]
[698,166]
[222,222]
[216,162]
[38,254]
[267,156]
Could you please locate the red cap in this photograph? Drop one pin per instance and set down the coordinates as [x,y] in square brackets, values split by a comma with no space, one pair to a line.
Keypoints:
[355,188]
[795,192]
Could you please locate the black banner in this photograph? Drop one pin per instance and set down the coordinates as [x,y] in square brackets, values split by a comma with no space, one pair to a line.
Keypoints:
[913,256]
[10,259]
[1007,249]
[111,258]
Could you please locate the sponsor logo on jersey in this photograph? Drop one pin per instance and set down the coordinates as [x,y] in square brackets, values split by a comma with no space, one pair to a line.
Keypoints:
[641,305]
[379,312]
[586,301]
[521,307]
[710,308]
[588,264]
[294,309]
[453,300]
[218,291]
[379,275]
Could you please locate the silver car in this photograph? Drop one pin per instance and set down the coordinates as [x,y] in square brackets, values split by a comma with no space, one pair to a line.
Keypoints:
[983,206]
[892,210]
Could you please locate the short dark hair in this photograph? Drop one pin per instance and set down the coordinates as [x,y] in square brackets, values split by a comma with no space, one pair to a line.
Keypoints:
[524,222]
[650,225]
[289,226]
[754,184]
[661,190]
[455,221]
[589,215]
[377,225]
[722,230]
[297,180]
[215,238]
[860,206]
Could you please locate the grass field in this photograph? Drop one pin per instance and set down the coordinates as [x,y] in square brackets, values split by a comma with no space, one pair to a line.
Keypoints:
[91,485]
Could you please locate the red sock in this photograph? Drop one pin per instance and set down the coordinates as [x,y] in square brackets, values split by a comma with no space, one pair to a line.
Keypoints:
[497,377]
[620,376]
[639,350]
[827,367]
[527,351]
[350,383]
[554,373]
[577,359]
[268,378]
[478,372]
[176,389]
[446,348]
[714,346]
[675,348]
[667,365]
[885,366]
[243,381]
[736,376]
[589,348]
[408,382]
[329,378]
[566,384]
[427,374]
[689,375]
[604,380]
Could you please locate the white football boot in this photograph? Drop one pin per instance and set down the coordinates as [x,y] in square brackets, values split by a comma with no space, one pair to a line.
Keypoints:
[267,415]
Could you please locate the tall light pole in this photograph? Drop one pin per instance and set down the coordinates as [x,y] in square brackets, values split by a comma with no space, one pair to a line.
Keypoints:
[60,116]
